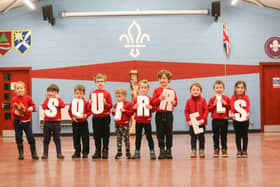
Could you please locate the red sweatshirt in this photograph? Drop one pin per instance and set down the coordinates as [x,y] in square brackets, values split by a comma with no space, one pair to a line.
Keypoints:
[196,104]
[86,110]
[143,119]
[27,101]
[237,97]
[213,109]
[126,115]
[57,112]
[107,106]
[155,99]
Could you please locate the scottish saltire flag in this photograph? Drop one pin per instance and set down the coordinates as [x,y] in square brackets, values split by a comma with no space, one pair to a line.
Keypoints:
[22,41]
[226,40]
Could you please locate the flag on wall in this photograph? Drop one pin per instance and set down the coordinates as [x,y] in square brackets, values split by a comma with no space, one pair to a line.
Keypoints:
[22,40]
[226,40]
[5,42]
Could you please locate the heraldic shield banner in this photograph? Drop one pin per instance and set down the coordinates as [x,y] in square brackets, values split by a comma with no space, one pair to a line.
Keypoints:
[22,40]
[6,43]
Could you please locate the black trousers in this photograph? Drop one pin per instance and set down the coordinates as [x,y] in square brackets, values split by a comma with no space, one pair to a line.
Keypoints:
[80,131]
[200,137]
[241,133]
[52,128]
[101,132]
[148,131]
[27,128]
[164,128]
[220,129]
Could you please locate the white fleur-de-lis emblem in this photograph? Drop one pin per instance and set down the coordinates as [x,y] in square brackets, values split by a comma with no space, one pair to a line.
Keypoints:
[275,46]
[135,43]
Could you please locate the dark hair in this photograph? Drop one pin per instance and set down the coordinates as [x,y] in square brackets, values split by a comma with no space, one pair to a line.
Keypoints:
[80,87]
[240,82]
[164,72]
[218,82]
[53,87]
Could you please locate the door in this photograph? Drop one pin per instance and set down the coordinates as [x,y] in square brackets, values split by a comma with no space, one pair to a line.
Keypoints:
[270,78]
[7,78]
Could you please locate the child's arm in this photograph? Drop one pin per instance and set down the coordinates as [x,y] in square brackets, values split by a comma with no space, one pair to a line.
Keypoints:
[114,109]
[61,103]
[128,109]
[155,99]
[212,104]
[45,104]
[205,111]
[175,101]
[187,112]
[247,104]
[87,109]
[108,102]
[31,105]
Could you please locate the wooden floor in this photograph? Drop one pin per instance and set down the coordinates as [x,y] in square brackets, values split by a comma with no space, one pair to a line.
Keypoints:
[261,168]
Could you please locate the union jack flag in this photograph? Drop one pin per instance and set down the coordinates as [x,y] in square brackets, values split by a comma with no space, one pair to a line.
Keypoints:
[226,40]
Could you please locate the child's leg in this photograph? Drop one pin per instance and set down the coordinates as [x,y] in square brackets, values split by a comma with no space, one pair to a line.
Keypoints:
[106,133]
[30,138]
[193,138]
[139,127]
[148,132]
[224,131]
[119,138]
[201,139]
[47,137]
[19,140]
[125,134]
[85,137]
[56,138]
[245,128]
[215,127]
[76,138]
[160,130]
[169,130]
[237,131]
[97,133]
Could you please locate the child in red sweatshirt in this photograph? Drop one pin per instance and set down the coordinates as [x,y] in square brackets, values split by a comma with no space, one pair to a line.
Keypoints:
[219,105]
[22,109]
[240,110]
[101,104]
[52,110]
[195,104]
[143,116]
[79,111]
[164,99]
[122,112]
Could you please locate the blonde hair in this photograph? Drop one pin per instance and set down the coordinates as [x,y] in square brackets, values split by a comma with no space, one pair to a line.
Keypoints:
[144,81]
[197,85]
[100,76]
[19,82]
[121,91]
[164,72]
[218,82]
[80,87]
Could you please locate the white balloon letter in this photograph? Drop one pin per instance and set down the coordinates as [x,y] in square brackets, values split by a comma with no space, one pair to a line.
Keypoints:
[166,103]
[97,99]
[142,101]
[242,114]
[195,123]
[220,108]
[52,111]
[78,108]
[118,114]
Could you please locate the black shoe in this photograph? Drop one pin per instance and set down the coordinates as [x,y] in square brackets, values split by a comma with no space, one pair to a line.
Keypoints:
[34,152]
[105,154]
[96,155]
[153,155]
[161,154]
[46,150]
[168,154]
[76,155]
[45,156]
[128,155]
[85,155]
[20,151]
[136,155]
[244,154]
[60,156]
[118,155]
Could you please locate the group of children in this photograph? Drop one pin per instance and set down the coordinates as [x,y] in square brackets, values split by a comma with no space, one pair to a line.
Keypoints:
[163,101]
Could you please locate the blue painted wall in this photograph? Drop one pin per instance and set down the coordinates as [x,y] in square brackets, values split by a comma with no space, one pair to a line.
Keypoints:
[195,39]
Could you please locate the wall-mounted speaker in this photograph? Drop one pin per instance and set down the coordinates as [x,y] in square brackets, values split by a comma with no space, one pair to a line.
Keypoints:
[47,12]
[216,10]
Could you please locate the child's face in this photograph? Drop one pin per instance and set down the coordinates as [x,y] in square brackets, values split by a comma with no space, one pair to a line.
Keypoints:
[195,91]
[143,89]
[99,83]
[240,89]
[19,89]
[51,94]
[120,97]
[163,81]
[79,94]
[219,89]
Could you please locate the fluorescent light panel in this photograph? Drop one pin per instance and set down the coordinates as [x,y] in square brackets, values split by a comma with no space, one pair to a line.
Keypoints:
[233,2]
[29,4]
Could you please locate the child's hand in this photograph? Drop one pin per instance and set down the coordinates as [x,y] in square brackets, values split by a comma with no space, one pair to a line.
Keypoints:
[30,109]
[161,97]
[173,102]
[105,101]
[17,112]
[113,110]
[149,107]
[224,102]
[135,106]
[74,119]
[123,110]
[190,123]
[90,101]
[84,116]
[201,122]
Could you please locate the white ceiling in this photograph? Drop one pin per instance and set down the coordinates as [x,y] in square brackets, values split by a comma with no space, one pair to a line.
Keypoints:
[10,4]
